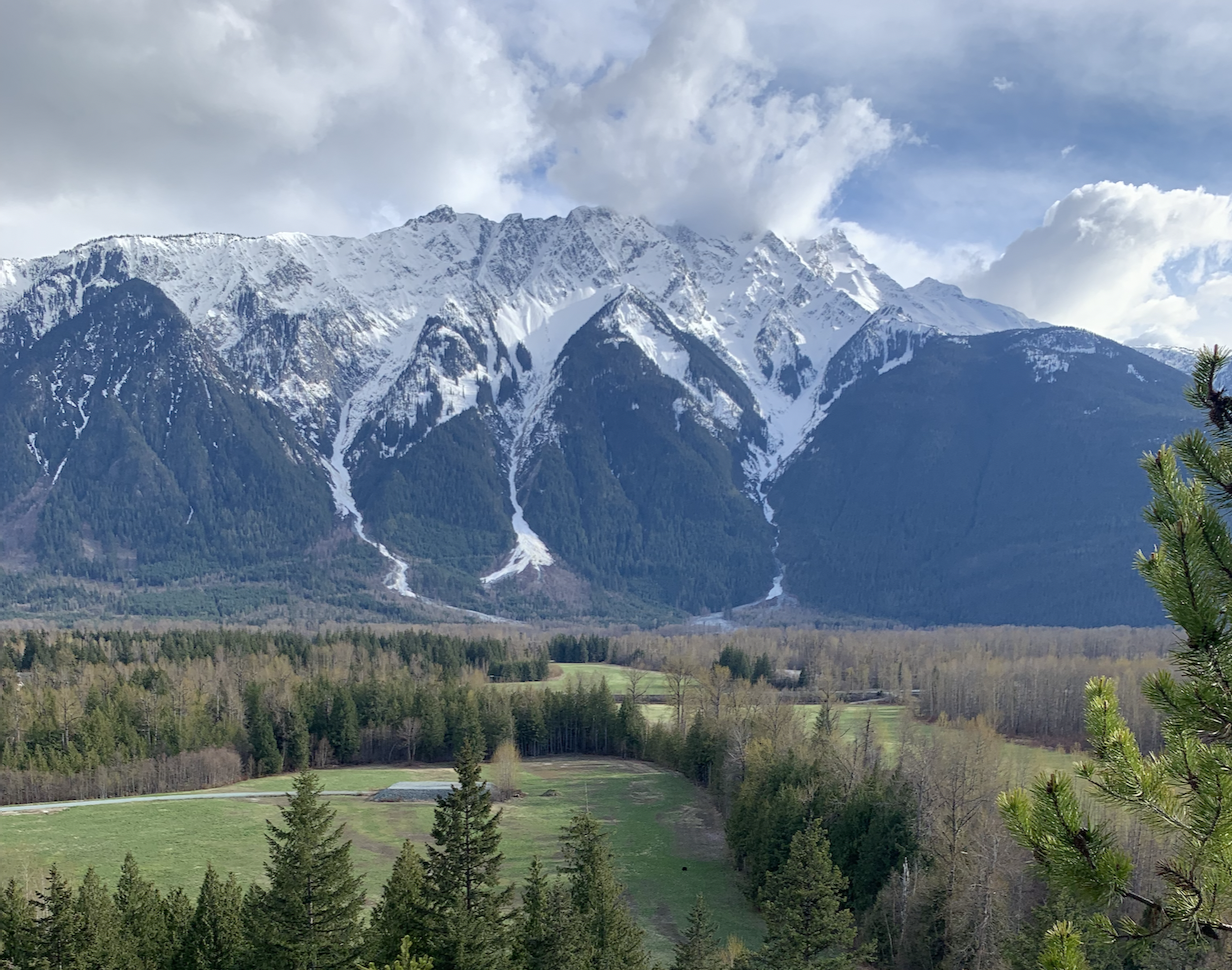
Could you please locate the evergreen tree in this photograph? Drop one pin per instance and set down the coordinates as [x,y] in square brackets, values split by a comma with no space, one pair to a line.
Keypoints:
[343,729]
[698,950]
[400,914]
[610,938]
[1185,789]
[763,669]
[18,927]
[546,935]
[143,918]
[266,758]
[298,742]
[254,920]
[178,911]
[312,907]
[58,923]
[97,944]
[215,939]
[467,912]
[806,922]
[405,960]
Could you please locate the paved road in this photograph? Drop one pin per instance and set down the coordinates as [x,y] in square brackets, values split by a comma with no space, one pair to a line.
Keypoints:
[48,806]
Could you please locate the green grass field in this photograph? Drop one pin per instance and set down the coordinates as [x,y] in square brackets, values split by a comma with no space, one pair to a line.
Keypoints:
[1020,762]
[667,839]
[563,676]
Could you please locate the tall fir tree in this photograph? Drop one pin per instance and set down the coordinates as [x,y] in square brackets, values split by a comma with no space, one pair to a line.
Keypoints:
[399,914]
[467,911]
[545,935]
[18,927]
[698,950]
[254,920]
[266,758]
[178,910]
[298,744]
[143,918]
[312,907]
[610,937]
[97,943]
[215,939]
[807,924]
[58,923]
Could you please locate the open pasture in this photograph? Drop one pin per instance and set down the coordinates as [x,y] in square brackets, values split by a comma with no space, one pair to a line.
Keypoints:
[563,676]
[666,838]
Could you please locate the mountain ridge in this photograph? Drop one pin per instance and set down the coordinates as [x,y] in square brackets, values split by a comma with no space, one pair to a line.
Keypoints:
[429,371]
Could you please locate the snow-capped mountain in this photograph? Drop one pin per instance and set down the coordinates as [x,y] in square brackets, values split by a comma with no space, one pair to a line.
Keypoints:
[488,400]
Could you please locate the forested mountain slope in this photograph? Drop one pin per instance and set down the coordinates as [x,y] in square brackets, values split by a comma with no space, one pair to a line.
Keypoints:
[994,480]
[587,415]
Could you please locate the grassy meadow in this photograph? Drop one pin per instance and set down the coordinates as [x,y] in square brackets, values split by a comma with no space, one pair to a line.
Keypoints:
[667,840]
[561,676]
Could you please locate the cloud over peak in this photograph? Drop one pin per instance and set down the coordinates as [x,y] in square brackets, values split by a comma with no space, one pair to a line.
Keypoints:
[694,130]
[1133,262]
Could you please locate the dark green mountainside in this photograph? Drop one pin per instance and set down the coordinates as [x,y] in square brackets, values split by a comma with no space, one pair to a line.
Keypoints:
[993,479]
[633,491]
[988,479]
[139,455]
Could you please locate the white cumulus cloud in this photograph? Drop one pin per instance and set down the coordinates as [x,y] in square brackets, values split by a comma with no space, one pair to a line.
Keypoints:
[694,130]
[1132,262]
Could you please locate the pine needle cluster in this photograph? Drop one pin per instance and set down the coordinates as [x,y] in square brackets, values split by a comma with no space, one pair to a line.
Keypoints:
[1184,790]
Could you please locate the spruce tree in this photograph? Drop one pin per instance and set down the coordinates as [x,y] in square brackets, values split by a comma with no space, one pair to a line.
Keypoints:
[1182,791]
[405,960]
[400,914]
[178,912]
[312,907]
[609,936]
[143,918]
[546,936]
[215,939]
[266,758]
[806,922]
[97,943]
[698,950]
[18,927]
[58,923]
[467,912]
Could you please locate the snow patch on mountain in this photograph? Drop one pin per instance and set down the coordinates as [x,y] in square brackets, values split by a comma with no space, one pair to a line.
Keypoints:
[408,327]
[947,308]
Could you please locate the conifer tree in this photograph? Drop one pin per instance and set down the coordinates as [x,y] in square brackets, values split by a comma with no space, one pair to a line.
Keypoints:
[467,911]
[698,950]
[1185,790]
[178,911]
[266,758]
[143,918]
[311,909]
[546,936]
[58,923]
[405,960]
[298,742]
[806,922]
[400,914]
[611,940]
[215,939]
[97,943]
[255,922]
[18,928]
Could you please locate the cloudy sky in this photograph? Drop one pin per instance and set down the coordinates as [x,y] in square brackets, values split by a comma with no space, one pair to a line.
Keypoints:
[1068,158]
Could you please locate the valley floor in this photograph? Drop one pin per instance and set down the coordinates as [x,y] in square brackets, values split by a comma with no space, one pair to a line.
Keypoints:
[667,839]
